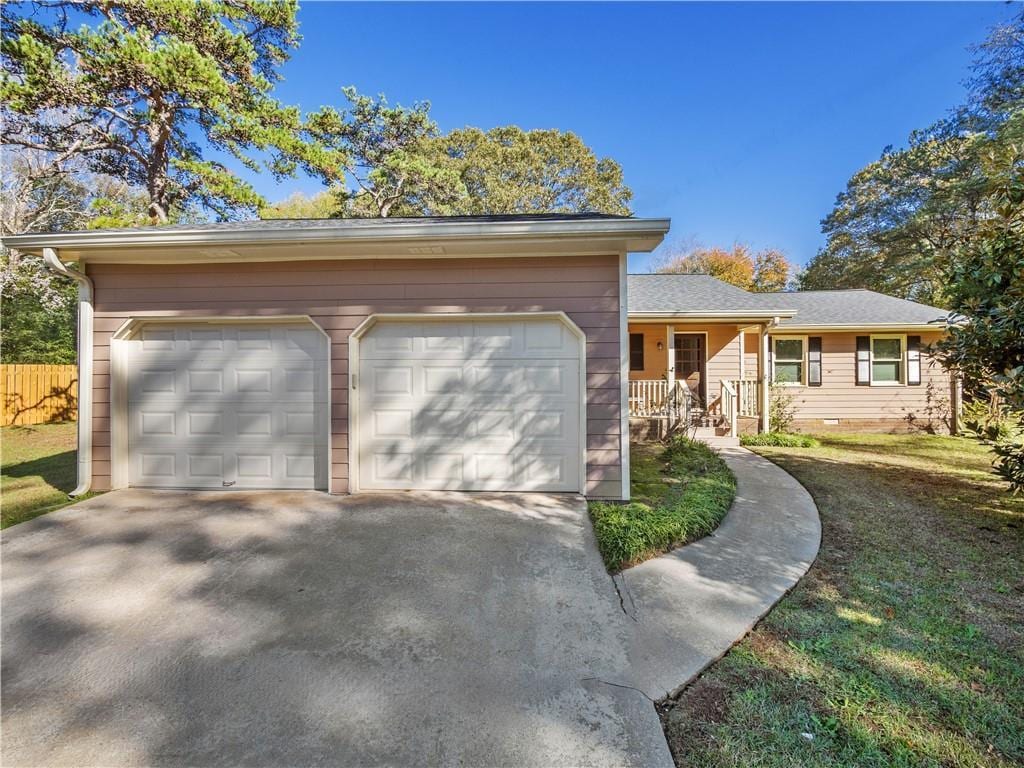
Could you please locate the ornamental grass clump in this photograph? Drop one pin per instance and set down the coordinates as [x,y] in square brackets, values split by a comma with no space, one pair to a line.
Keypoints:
[700,489]
[780,440]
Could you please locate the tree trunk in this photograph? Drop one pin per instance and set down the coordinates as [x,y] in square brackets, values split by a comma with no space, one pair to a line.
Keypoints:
[157,170]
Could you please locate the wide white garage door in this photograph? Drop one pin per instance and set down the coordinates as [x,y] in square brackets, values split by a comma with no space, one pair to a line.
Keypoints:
[227,406]
[470,405]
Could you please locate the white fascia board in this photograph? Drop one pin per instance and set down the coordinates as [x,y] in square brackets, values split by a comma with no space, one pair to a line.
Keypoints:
[723,315]
[870,327]
[640,234]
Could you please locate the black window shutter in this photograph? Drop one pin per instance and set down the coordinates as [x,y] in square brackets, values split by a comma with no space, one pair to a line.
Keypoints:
[636,351]
[863,361]
[814,361]
[914,360]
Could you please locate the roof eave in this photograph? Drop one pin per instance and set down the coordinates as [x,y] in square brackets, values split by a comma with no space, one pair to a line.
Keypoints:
[717,315]
[878,327]
[638,234]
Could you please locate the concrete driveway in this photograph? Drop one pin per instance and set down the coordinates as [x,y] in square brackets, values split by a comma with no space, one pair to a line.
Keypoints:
[167,628]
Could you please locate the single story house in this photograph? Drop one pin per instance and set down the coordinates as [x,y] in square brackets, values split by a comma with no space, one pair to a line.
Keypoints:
[840,359]
[457,353]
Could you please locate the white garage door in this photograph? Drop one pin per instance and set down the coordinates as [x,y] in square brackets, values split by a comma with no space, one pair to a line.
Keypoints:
[469,405]
[228,406]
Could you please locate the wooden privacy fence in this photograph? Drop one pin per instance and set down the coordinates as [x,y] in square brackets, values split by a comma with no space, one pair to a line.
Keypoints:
[36,394]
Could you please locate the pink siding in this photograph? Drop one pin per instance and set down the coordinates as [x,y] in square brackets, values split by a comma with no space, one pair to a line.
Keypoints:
[339,295]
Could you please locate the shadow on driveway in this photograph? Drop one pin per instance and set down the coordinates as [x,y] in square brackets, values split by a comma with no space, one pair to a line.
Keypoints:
[171,628]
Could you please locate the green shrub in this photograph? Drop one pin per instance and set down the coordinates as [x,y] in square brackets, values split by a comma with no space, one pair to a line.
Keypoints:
[779,440]
[701,489]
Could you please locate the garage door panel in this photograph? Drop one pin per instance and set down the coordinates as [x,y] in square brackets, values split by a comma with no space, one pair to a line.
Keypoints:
[229,423]
[209,468]
[459,341]
[471,405]
[230,406]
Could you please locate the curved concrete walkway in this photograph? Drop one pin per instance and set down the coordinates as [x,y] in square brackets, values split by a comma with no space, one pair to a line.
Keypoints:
[691,605]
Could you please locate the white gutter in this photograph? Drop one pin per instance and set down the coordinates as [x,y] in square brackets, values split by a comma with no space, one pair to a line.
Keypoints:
[880,327]
[85,325]
[759,315]
[341,230]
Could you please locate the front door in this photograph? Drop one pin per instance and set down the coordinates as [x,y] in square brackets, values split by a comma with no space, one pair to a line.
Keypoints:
[691,363]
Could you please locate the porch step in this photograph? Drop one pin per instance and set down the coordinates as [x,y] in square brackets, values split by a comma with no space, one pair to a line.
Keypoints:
[721,442]
[716,437]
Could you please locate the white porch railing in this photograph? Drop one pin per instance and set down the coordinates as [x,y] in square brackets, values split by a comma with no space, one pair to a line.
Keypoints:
[647,397]
[747,396]
[730,406]
[659,398]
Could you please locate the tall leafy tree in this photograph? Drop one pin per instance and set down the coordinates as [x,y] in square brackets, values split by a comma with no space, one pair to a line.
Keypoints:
[511,170]
[45,191]
[387,166]
[321,205]
[772,271]
[986,290]
[398,163]
[903,219]
[40,192]
[766,270]
[161,89]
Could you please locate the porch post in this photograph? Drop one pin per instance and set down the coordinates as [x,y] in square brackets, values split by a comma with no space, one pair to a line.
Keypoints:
[766,376]
[670,333]
[741,334]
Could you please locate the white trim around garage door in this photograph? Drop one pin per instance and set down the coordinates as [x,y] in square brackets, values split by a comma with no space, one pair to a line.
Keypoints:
[119,377]
[372,320]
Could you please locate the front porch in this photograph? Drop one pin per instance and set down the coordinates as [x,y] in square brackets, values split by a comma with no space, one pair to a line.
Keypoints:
[707,377]
[659,406]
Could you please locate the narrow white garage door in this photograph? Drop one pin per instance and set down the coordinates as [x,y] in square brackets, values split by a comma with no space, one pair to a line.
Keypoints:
[227,406]
[470,405]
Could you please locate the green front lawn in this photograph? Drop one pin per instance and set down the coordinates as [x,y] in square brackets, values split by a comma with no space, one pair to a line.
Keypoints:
[903,645]
[679,493]
[37,470]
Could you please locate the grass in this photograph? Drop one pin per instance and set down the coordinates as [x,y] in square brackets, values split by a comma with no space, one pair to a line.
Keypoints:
[903,645]
[37,470]
[778,440]
[680,493]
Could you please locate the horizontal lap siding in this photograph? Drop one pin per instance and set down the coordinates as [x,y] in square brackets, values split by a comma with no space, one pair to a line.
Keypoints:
[751,356]
[340,295]
[723,359]
[839,397]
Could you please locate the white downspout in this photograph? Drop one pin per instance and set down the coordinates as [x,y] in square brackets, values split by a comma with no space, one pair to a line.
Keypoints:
[85,325]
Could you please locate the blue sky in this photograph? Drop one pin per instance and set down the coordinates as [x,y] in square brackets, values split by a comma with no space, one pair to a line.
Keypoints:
[739,121]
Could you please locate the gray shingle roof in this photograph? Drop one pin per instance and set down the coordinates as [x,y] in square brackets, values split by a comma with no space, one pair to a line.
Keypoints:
[695,294]
[674,294]
[854,307]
